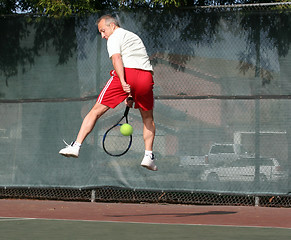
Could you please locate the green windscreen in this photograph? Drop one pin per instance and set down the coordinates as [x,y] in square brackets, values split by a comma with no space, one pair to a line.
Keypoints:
[222,101]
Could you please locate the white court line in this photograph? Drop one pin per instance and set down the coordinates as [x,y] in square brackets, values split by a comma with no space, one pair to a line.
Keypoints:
[2,219]
[9,219]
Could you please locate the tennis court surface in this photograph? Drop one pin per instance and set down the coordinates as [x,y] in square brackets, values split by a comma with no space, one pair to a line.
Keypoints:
[35,219]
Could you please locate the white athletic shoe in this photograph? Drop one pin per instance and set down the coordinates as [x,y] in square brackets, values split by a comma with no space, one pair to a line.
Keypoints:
[71,150]
[149,163]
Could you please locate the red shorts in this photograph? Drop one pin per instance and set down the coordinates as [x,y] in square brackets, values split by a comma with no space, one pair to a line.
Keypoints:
[141,85]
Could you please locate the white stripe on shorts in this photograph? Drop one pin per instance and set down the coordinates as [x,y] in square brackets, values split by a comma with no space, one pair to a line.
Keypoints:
[101,95]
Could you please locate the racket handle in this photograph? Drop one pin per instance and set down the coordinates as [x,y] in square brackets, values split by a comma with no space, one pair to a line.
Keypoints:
[126,111]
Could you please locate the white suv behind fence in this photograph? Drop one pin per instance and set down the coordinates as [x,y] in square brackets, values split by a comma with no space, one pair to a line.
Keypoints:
[243,169]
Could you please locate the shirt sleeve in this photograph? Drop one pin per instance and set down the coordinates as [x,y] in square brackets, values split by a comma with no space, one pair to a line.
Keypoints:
[113,45]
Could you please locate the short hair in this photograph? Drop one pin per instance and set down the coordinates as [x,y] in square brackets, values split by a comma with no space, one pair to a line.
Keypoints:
[108,19]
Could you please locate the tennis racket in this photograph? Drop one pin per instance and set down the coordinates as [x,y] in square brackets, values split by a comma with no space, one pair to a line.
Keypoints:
[114,143]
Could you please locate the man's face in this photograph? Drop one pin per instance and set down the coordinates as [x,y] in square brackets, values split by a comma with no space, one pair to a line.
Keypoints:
[106,30]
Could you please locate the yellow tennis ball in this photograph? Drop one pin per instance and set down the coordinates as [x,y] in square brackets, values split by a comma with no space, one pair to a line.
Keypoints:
[126,129]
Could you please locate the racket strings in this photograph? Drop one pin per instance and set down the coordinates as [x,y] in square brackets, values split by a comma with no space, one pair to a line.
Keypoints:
[115,143]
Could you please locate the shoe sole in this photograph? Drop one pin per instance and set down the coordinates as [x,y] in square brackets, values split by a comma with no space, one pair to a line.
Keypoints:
[149,168]
[69,155]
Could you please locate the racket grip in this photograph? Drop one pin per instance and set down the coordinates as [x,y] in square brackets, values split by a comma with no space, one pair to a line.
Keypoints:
[126,111]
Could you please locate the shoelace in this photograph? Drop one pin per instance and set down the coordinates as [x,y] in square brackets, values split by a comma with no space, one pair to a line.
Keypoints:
[151,157]
[67,143]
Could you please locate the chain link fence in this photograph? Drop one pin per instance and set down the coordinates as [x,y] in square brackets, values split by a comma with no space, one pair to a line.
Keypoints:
[222,107]
[106,194]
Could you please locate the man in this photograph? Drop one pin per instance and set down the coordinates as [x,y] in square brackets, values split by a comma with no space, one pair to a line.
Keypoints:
[131,80]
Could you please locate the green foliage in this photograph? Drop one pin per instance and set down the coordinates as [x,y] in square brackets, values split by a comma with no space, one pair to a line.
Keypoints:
[58,8]
[63,8]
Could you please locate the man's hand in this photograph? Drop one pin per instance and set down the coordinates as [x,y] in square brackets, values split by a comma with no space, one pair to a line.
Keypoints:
[129,101]
[126,87]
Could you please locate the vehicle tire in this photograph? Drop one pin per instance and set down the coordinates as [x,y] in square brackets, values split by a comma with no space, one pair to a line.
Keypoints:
[212,177]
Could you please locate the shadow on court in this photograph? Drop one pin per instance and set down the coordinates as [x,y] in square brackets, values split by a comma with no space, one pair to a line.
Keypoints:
[11,228]
[176,214]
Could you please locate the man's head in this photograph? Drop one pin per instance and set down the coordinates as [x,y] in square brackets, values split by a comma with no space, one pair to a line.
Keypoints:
[106,25]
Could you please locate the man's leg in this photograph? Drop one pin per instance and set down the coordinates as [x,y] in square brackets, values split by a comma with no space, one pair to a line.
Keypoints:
[87,126]
[90,120]
[149,130]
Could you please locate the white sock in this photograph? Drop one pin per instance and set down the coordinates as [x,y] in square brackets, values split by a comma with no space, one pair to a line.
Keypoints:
[149,153]
[77,144]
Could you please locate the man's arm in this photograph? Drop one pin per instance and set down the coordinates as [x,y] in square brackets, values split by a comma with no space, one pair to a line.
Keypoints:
[119,69]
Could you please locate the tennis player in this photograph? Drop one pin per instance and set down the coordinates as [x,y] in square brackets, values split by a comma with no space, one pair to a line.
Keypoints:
[131,81]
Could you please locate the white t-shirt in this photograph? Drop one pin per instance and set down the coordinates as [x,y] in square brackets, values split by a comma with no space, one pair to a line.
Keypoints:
[131,49]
